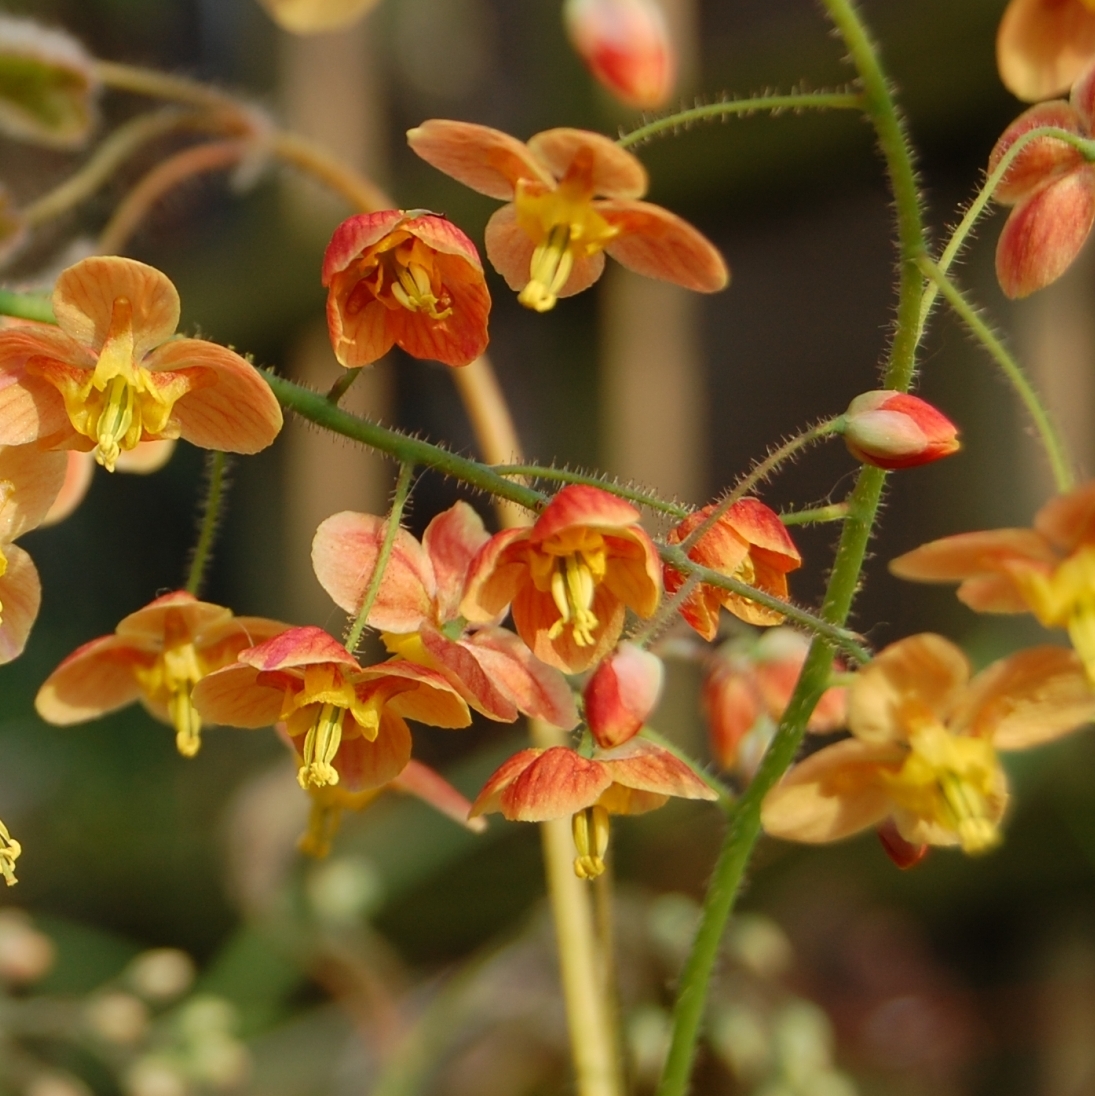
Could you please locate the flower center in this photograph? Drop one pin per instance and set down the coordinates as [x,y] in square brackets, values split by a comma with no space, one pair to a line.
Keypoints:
[403,274]
[320,746]
[170,680]
[572,590]
[590,829]
[10,850]
[954,782]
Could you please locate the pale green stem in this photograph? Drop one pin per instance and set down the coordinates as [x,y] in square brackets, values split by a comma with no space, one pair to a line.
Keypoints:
[564,475]
[817,515]
[26,306]
[216,468]
[399,500]
[1051,440]
[709,112]
[342,385]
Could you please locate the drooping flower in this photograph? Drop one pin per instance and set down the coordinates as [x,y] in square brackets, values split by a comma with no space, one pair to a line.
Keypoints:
[418,611]
[748,543]
[346,721]
[412,280]
[895,430]
[1044,45]
[572,195]
[1052,188]
[537,785]
[621,694]
[570,577]
[747,688]
[923,753]
[156,655]
[316,16]
[114,376]
[627,47]
[10,851]
[1048,570]
[29,482]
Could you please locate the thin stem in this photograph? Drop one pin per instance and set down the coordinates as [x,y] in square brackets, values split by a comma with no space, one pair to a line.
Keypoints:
[138,203]
[216,467]
[26,306]
[161,85]
[395,515]
[358,191]
[565,475]
[1051,440]
[810,100]
[342,385]
[816,515]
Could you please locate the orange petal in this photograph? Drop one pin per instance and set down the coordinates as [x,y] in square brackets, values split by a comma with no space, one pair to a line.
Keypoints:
[556,784]
[1044,234]
[952,559]
[834,793]
[231,408]
[31,407]
[20,596]
[344,553]
[1069,520]
[761,527]
[578,504]
[645,767]
[147,626]
[146,457]
[1041,158]
[534,613]
[233,697]
[360,338]
[84,296]
[95,679]
[485,159]
[489,799]
[659,244]
[462,336]
[1043,45]
[497,573]
[633,571]
[616,173]
[298,647]
[431,787]
[452,540]
[32,480]
[362,764]
[463,668]
[1031,697]
[430,699]
[355,235]
[79,468]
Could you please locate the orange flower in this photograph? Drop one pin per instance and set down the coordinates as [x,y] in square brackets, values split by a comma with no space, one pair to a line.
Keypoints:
[621,693]
[418,611]
[538,785]
[407,279]
[156,655]
[1043,45]
[748,543]
[114,376]
[569,576]
[345,721]
[923,753]
[1048,570]
[572,196]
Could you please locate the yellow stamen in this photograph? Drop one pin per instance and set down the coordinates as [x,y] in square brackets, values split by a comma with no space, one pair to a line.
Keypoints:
[114,421]
[170,680]
[412,288]
[590,828]
[320,746]
[551,266]
[572,589]
[10,851]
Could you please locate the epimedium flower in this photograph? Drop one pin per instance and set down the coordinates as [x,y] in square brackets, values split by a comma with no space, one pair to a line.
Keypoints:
[10,851]
[1048,570]
[570,577]
[572,196]
[156,655]
[1043,45]
[1052,189]
[417,610]
[412,280]
[537,785]
[621,693]
[113,375]
[748,543]
[346,722]
[894,430]
[923,755]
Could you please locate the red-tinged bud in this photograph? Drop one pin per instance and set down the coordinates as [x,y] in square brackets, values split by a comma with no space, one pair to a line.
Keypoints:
[903,853]
[732,707]
[895,430]
[627,47]
[622,693]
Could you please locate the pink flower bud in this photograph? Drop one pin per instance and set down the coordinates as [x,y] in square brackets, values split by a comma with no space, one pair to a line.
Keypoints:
[894,430]
[621,694]
[732,707]
[626,45]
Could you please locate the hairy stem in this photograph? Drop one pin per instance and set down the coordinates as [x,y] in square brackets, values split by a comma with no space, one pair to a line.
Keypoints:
[216,468]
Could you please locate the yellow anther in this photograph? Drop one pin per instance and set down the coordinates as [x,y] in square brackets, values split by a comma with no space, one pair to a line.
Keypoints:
[114,421]
[187,722]
[551,265]
[10,851]
[320,746]
[412,288]
[572,589]
[590,829]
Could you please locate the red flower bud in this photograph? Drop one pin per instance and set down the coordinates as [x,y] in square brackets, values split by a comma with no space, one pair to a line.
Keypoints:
[621,694]
[626,45]
[894,430]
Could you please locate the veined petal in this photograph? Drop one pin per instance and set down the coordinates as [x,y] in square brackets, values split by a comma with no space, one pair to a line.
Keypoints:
[616,173]
[1041,47]
[30,407]
[834,793]
[994,593]
[85,293]
[485,159]
[430,699]
[761,527]
[451,541]
[922,676]
[30,481]
[489,799]
[354,235]
[362,338]
[364,764]
[466,672]
[952,559]
[534,613]
[145,628]
[344,553]
[432,788]
[555,784]
[441,235]
[95,679]
[1031,697]
[495,576]
[1069,520]
[79,469]
[659,244]
[460,337]
[234,697]
[299,647]
[578,504]
[20,596]
[645,767]
[1041,158]
[634,570]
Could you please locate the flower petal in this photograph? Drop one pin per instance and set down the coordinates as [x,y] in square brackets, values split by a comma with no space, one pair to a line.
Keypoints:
[1042,47]
[30,481]
[431,787]
[20,597]
[1069,520]
[485,159]
[579,504]
[616,173]
[364,764]
[1041,158]
[344,553]
[79,469]
[30,407]
[834,793]
[965,555]
[924,674]
[534,613]
[556,784]
[452,540]
[145,628]
[495,576]
[297,647]
[354,235]
[231,408]
[234,697]
[634,571]
[430,699]
[659,244]
[95,679]
[645,767]
[146,457]
[460,337]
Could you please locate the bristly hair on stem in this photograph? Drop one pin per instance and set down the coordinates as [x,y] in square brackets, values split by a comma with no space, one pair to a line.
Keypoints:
[216,480]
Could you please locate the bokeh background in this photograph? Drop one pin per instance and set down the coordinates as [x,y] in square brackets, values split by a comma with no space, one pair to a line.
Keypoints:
[418,959]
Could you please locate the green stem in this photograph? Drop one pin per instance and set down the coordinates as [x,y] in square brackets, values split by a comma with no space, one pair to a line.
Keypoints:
[1051,440]
[216,467]
[565,475]
[399,500]
[26,306]
[342,385]
[810,100]
[816,515]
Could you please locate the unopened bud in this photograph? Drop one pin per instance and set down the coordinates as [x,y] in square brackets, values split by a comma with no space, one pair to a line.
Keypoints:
[117,1017]
[626,45]
[162,974]
[903,853]
[25,953]
[895,430]
[732,708]
[622,693]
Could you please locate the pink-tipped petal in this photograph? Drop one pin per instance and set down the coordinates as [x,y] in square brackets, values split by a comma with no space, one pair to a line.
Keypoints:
[485,159]
[645,767]
[430,699]
[556,784]
[297,647]
[1041,158]
[616,173]
[622,693]
[659,244]
[354,235]
[1043,45]
[95,679]
[451,541]
[146,627]
[578,504]
[234,697]
[495,576]
[20,597]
